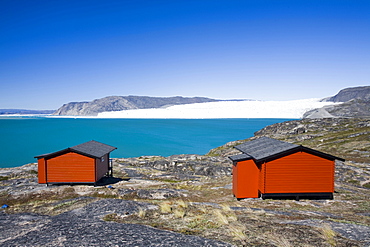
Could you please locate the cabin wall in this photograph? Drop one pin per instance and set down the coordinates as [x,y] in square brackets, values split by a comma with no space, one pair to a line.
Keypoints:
[71,167]
[102,166]
[298,173]
[41,171]
[245,179]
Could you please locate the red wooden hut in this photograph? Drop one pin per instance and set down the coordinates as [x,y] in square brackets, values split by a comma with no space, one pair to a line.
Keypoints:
[270,168]
[84,163]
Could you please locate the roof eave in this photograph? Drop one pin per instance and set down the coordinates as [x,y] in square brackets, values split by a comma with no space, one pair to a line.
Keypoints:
[54,154]
[298,149]
[237,159]
[321,154]
[90,155]
[75,149]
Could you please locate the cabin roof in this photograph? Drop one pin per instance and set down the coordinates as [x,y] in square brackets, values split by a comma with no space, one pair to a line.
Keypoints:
[265,148]
[92,149]
[240,157]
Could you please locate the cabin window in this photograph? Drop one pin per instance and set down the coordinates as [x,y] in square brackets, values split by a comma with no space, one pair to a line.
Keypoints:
[102,159]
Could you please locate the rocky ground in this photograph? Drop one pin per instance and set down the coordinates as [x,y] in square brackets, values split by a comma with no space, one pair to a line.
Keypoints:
[186,200]
[353,108]
[355,102]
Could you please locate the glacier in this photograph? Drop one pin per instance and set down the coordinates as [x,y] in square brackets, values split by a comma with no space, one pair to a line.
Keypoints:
[225,109]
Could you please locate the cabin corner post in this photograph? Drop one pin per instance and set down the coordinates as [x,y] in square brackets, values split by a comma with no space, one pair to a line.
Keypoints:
[262,179]
[41,170]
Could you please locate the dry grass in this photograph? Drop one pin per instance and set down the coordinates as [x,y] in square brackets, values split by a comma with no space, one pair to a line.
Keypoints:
[220,217]
[64,205]
[111,217]
[142,213]
[202,208]
[200,223]
[225,207]
[328,234]
[238,231]
[165,207]
[179,213]
[279,240]
[182,203]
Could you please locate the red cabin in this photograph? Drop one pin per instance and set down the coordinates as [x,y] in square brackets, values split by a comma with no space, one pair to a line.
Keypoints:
[272,168]
[84,163]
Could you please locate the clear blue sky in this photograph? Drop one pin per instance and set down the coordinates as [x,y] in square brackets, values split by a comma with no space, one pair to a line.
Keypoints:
[55,52]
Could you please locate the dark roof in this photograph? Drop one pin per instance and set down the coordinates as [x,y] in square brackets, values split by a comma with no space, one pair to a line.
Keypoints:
[92,149]
[240,157]
[265,148]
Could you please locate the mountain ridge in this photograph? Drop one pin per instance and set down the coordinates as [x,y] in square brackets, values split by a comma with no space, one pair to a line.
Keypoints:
[351,93]
[24,111]
[119,103]
[355,102]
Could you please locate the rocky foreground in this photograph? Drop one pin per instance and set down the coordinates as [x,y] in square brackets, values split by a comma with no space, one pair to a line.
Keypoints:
[186,200]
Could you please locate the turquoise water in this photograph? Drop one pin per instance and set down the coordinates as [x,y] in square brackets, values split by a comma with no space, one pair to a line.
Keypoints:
[23,138]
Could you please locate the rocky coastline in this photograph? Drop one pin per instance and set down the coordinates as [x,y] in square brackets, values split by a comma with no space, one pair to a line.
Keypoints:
[186,200]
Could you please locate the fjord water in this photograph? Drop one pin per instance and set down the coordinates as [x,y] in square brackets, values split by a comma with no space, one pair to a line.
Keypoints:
[23,138]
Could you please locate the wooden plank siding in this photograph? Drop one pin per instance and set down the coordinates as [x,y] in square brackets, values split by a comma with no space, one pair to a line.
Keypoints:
[297,173]
[41,169]
[71,167]
[102,166]
[245,179]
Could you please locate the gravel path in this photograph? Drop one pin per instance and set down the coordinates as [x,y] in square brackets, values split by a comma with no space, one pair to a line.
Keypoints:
[85,227]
